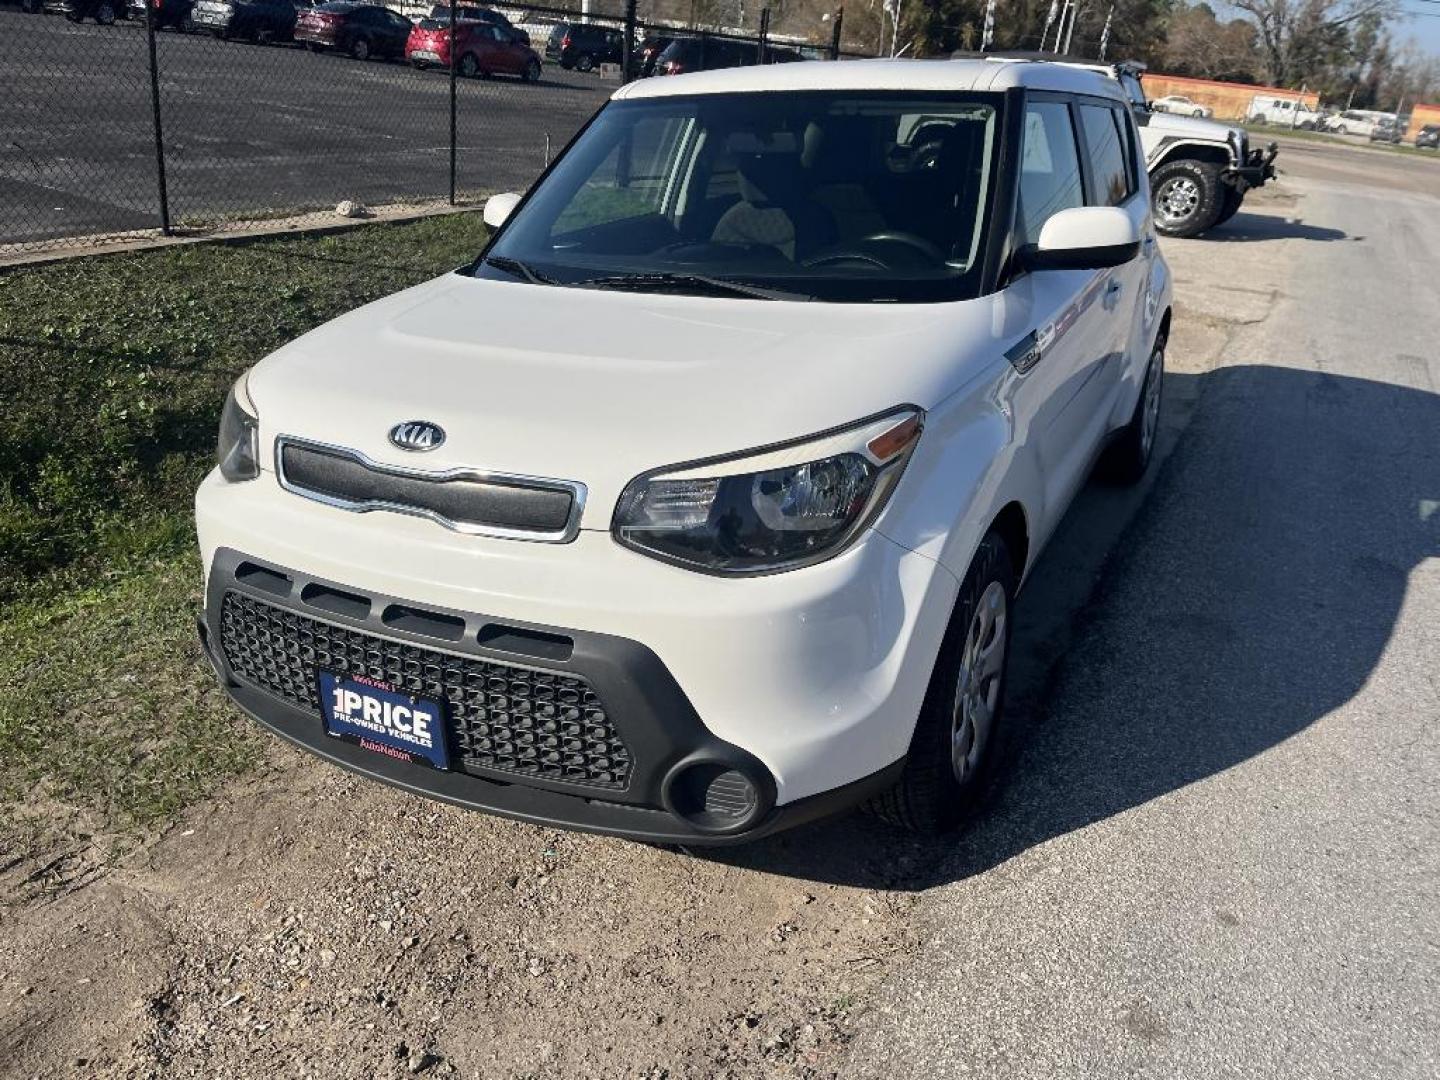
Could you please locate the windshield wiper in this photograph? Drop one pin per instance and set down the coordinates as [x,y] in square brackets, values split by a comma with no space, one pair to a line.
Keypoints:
[690,282]
[518,268]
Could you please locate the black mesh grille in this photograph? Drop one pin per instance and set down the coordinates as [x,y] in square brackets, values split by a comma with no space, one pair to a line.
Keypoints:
[516,720]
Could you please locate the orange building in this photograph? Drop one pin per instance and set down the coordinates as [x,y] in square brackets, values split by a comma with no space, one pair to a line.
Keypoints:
[1231,101]
[1421,115]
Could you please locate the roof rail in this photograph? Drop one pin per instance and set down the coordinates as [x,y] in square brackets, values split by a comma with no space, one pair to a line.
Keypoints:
[1136,66]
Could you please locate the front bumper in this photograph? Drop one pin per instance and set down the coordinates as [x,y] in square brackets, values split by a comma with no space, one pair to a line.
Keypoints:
[1259,168]
[809,680]
[665,740]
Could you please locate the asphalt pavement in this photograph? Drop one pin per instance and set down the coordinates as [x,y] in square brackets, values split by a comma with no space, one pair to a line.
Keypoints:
[250,131]
[1218,853]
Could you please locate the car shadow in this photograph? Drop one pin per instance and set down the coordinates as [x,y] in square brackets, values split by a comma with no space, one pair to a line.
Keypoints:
[1252,592]
[1246,228]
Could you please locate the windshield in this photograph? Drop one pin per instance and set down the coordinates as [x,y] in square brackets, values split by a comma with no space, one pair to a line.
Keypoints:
[846,196]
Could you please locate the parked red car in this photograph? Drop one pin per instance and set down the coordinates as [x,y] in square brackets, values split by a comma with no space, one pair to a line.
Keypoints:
[362,30]
[483,49]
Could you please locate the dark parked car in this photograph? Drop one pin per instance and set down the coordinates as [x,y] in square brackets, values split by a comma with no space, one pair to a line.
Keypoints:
[648,54]
[584,46]
[1428,137]
[704,54]
[481,49]
[361,30]
[162,13]
[1388,131]
[254,20]
[103,12]
[33,7]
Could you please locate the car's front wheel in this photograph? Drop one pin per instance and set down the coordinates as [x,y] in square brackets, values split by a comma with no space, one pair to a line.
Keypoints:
[469,66]
[1186,196]
[360,49]
[954,748]
[532,71]
[105,14]
[584,62]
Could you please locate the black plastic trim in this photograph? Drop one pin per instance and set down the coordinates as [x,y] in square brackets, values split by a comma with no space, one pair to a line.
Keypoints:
[646,705]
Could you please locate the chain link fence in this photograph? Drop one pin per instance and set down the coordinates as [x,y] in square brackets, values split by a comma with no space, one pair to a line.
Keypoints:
[201,116]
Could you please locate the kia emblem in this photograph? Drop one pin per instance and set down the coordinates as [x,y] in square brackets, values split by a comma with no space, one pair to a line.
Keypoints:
[417,435]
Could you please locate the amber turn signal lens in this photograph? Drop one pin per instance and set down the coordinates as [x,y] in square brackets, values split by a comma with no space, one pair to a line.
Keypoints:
[889,443]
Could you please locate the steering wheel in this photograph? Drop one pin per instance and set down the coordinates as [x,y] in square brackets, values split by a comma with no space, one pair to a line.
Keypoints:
[919,243]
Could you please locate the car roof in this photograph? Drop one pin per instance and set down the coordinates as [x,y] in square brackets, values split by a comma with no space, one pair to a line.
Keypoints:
[991,74]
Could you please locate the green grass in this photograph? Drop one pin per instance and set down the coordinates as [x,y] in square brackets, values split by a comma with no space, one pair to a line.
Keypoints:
[112,373]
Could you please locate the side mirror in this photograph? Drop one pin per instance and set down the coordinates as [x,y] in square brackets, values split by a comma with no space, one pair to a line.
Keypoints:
[499,207]
[1083,238]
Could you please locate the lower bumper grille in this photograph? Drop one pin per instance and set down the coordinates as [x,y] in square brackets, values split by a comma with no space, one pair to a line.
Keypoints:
[502,718]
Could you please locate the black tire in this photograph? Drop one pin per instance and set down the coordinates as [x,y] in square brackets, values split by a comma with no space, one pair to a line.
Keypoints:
[360,49]
[568,65]
[1186,196]
[105,13]
[531,72]
[930,796]
[1127,458]
[584,62]
[1231,199]
[469,66]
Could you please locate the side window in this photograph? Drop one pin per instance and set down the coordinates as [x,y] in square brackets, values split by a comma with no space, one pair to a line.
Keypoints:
[1130,142]
[1107,151]
[1049,167]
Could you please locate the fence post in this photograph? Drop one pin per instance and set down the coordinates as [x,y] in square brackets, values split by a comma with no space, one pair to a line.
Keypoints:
[835,33]
[627,48]
[159,134]
[704,49]
[453,137]
[764,33]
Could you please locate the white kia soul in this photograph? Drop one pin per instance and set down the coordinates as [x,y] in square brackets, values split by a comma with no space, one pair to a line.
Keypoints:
[696,506]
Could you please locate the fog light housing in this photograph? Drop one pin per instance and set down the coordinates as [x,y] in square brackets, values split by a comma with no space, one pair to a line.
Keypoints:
[717,796]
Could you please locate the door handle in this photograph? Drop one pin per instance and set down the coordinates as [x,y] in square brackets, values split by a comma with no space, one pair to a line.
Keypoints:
[1148,243]
[1112,288]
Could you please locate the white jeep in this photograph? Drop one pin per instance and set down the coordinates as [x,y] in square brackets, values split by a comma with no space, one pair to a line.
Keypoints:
[1199,169]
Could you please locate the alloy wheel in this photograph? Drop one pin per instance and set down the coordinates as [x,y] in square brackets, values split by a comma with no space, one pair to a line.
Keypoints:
[1150,414]
[977,691]
[1178,199]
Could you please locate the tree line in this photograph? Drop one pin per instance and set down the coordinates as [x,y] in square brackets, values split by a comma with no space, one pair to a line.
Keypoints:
[1345,50]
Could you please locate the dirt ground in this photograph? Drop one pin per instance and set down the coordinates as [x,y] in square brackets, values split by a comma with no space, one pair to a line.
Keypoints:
[304,922]
[315,924]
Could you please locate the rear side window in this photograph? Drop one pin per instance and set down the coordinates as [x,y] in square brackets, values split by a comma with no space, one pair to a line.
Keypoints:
[1108,150]
[1049,167]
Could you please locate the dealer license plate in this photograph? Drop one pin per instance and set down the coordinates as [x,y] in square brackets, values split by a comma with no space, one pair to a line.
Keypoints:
[374,715]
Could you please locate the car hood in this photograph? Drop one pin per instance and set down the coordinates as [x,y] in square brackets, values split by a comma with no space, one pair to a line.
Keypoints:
[1189,127]
[600,386]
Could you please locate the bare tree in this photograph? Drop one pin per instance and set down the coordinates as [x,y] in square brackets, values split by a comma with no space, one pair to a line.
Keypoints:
[1292,32]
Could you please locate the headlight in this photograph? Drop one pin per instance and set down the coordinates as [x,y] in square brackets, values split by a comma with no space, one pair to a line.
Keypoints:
[770,510]
[237,451]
